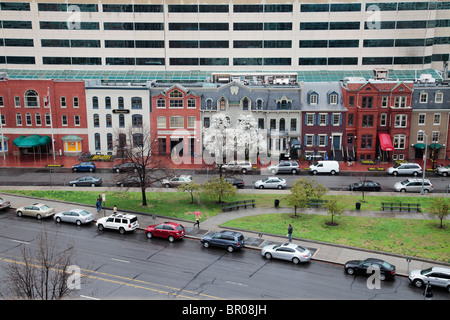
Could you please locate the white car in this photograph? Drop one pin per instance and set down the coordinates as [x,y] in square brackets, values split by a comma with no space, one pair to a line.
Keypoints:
[287,251]
[443,171]
[242,166]
[271,183]
[78,216]
[413,185]
[119,221]
[4,204]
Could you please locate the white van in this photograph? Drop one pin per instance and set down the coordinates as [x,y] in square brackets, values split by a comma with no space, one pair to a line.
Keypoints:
[326,166]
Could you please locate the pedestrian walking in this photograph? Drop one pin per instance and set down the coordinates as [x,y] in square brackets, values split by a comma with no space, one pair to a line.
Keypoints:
[290,232]
[98,204]
[115,209]
[197,221]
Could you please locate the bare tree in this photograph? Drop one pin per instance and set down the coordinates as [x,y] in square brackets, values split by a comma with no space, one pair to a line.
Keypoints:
[137,146]
[42,274]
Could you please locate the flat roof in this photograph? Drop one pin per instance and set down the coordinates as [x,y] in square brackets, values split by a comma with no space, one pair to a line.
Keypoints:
[202,76]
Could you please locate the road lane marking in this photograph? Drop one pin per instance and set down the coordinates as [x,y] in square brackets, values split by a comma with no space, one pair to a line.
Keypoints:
[124,261]
[24,242]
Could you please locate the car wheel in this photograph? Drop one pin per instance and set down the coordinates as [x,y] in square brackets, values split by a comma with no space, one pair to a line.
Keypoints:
[78,223]
[268,256]
[91,169]
[261,187]
[19,213]
[74,184]
[206,244]
[350,271]
[426,190]
[273,171]
[280,187]
[39,217]
[167,185]
[117,170]
[58,219]
[294,171]
[149,235]
[333,172]
[395,173]
[418,283]
[122,230]
[403,190]
[445,174]
[74,170]
[448,289]
[244,171]
[171,239]
[415,173]
[296,260]
[314,172]
[92,184]
[121,185]
[382,276]
[100,227]
[230,249]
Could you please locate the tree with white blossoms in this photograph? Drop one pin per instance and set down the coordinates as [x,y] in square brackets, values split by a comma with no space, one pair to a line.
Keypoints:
[222,140]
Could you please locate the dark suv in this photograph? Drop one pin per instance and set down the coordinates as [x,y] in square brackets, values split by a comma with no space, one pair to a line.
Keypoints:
[224,239]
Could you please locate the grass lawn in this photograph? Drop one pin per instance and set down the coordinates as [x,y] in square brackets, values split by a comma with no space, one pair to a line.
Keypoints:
[411,237]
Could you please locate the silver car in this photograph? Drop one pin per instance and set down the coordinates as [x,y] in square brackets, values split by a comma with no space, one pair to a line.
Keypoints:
[78,216]
[176,181]
[405,168]
[271,183]
[436,276]
[284,167]
[86,181]
[287,251]
[242,166]
[413,185]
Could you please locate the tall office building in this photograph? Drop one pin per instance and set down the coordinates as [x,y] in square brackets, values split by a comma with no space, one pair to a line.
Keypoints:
[223,35]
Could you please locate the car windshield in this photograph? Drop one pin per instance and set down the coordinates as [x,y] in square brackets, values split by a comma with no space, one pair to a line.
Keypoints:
[405,182]
[426,271]
[265,180]
[84,213]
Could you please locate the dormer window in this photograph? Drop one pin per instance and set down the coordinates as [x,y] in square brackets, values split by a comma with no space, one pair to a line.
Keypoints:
[438,97]
[245,103]
[423,97]
[176,94]
[313,98]
[284,104]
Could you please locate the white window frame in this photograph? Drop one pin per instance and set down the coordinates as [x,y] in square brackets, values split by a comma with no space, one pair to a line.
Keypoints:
[313,98]
[420,137]
[333,98]
[63,102]
[423,97]
[401,140]
[324,137]
[438,117]
[438,97]
[191,122]
[401,118]
[173,122]
[161,122]
[384,101]
[76,102]
[324,116]
[64,120]
[383,120]
[309,137]
[424,119]
[161,105]
[310,116]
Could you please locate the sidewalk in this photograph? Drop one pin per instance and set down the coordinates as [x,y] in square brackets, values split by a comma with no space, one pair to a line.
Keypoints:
[326,252]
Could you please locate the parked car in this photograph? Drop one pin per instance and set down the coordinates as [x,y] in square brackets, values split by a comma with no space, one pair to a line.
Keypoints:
[284,166]
[325,166]
[224,239]
[37,210]
[176,181]
[387,270]
[367,185]
[167,230]
[405,168]
[271,183]
[84,166]
[443,171]
[78,216]
[287,251]
[240,166]
[130,182]
[4,204]
[86,181]
[436,276]
[126,167]
[238,183]
[413,185]
[118,221]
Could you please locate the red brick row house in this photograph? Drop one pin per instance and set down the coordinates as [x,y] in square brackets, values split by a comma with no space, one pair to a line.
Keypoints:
[378,119]
[32,111]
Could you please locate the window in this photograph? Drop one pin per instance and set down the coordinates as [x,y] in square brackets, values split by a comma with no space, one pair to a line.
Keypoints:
[384,101]
[420,137]
[160,103]
[178,103]
[423,97]
[176,122]
[336,119]
[191,103]
[109,141]
[259,104]
[367,121]
[48,119]
[400,121]
[96,119]
[422,118]
[136,103]
[191,122]
[438,97]
[310,119]
[282,124]
[176,94]
[18,119]
[222,104]
[400,102]
[206,122]
[351,102]
[161,122]
[366,141]
[399,141]
[62,101]
[383,119]
[260,123]
[293,124]
[322,140]
[28,119]
[108,121]
[366,102]
[64,120]
[76,102]
[245,103]
[323,119]
[76,120]
[309,140]
[17,102]
[38,119]
[435,136]
[136,120]
[107,102]
[313,99]
[350,119]
[97,141]
[333,98]
[437,119]
[121,121]
[31,99]
[94,102]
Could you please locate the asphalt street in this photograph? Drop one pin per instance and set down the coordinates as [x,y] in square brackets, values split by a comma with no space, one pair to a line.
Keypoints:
[131,266]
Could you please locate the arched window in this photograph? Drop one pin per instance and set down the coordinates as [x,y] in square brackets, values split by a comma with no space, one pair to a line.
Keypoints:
[94,102]
[121,121]
[259,104]
[31,99]
[245,103]
[209,105]
[97,141]
[222,104]
[176,94]
[107,102]
[96,119]
[108,120]
[120,103]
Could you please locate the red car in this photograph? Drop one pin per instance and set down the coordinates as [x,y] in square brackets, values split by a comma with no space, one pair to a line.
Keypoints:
[168,230]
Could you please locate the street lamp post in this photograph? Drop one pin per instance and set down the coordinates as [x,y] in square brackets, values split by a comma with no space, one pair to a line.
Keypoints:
[422,191]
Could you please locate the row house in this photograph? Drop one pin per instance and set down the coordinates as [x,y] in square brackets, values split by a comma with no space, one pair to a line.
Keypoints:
[378,119]
[34,111]
[276,109]
[430,121]
[113,112]
[324,116]
[175,121]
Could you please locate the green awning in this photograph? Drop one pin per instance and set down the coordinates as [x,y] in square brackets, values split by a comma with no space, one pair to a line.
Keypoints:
[71,138]
[420,146]
[31,141]
[435,146]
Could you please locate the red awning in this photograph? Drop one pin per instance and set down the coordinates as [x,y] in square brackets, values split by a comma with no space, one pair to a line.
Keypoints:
[385,142]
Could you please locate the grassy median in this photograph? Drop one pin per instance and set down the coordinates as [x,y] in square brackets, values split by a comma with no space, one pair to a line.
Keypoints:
[411,237]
